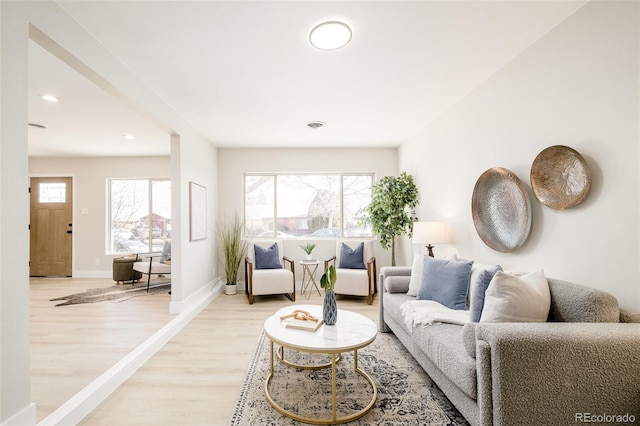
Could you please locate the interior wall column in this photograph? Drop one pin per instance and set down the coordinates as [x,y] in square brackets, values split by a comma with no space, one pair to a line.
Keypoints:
[15,388]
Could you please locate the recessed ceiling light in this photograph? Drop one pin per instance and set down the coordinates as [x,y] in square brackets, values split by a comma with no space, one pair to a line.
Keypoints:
[127,136]
[330,35]
[50,98]
[316,124]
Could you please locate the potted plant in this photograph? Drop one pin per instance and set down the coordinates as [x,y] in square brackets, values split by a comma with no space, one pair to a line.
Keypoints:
[233,250]
[392,198]
[329,308]
[308,248]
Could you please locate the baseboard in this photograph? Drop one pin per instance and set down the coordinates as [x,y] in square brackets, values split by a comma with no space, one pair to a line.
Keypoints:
[204,295]
[85,401]
[92,274]
[26,416]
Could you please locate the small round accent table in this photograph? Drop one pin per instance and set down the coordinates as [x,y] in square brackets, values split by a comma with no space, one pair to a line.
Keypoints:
[309,269]
[351,333]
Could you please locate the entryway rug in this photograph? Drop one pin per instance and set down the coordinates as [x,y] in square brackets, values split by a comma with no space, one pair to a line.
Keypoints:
[406,394]
[117,293]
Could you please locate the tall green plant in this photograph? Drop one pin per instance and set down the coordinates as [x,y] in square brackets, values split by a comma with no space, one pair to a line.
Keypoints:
[392,199]
[233,247]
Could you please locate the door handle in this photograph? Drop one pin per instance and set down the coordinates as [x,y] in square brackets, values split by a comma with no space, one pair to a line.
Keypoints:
[69,232]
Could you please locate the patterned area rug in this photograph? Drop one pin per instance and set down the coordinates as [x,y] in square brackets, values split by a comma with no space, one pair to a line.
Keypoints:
[406,395]
[117,293]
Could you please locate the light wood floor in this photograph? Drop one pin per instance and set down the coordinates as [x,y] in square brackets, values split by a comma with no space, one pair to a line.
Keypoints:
[193,380]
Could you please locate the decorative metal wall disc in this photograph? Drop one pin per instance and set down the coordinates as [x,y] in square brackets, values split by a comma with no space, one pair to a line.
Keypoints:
[501,210]
[560,177]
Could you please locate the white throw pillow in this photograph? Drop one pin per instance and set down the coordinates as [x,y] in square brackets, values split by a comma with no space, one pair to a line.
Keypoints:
[511,298]
[416,274]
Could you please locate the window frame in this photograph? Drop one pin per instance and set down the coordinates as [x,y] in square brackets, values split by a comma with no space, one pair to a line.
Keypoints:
[275,176]
[109,249]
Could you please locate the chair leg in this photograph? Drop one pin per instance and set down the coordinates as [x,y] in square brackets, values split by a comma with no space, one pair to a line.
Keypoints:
[148,282]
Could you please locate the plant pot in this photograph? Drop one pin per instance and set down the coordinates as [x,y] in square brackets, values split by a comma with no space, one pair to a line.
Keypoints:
[230,288]
[309,257]
[329,308]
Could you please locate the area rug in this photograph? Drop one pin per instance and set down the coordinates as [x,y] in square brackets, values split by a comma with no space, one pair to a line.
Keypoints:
[406,394]
[116,293]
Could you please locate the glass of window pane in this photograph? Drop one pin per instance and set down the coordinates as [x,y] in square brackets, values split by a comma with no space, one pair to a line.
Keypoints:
[129,207]
[308,205]
[259,206]
[160,213]
[356,196]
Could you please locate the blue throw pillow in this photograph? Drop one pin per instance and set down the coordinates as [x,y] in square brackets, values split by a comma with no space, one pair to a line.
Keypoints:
[445,281]
[267,258]
[352,258]
[477,293]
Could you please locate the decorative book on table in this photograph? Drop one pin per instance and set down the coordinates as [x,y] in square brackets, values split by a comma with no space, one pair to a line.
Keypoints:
[305,325]
[301,320]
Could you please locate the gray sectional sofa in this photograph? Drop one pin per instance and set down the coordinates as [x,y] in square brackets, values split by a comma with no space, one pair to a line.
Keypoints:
[581,366]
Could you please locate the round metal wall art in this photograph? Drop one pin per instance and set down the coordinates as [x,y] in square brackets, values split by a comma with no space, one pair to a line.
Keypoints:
[560,177]
[501,210]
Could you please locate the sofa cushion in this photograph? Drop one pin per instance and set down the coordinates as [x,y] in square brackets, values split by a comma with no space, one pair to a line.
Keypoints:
[267,258]
[477,288]
[517,298]
[392,303]
[572,302]
[352,258]
[443,344]
[445,281]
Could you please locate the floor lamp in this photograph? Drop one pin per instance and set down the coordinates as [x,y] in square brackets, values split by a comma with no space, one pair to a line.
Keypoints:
[430,233]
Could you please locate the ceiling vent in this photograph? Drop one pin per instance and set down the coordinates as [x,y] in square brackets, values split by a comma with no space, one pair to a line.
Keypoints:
[316,124]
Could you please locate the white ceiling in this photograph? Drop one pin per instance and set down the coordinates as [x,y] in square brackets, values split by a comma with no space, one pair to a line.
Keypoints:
[244,74]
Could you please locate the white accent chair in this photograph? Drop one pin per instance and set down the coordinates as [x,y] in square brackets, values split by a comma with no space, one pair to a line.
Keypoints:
[160,266]
[355,282]
[269,281]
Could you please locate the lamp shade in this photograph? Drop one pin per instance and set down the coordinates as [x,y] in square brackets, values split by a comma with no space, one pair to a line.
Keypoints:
[430,233]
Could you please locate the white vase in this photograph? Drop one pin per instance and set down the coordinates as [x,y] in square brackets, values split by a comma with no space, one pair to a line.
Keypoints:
[230,288]
[309,257]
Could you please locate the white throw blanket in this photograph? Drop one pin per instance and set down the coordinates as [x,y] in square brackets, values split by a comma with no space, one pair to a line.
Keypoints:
[427,312]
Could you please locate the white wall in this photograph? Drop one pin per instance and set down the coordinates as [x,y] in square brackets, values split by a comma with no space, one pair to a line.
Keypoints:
[192,158]
[90,192]
[232,163]
[577,86]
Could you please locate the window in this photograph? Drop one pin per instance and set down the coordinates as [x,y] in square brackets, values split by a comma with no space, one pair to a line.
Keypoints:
[306,205]
[140,215]
[52,192]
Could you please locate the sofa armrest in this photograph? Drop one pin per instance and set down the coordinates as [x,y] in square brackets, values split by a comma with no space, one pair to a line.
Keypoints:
[554,373]
[397,274]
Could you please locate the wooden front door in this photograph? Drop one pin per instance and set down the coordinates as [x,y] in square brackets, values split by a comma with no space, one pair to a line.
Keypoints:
[51,227]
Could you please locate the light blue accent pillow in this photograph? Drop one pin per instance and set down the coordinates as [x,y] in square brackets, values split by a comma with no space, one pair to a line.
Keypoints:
[477,293]
[352,258]
[267,258]
[445,281]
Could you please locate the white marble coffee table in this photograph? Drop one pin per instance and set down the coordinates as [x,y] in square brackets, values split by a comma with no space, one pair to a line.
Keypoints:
[351,332]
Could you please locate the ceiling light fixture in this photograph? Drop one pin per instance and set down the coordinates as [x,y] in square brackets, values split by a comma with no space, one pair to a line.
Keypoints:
[128,136]
[316,124]
[50,98]
[330,35]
